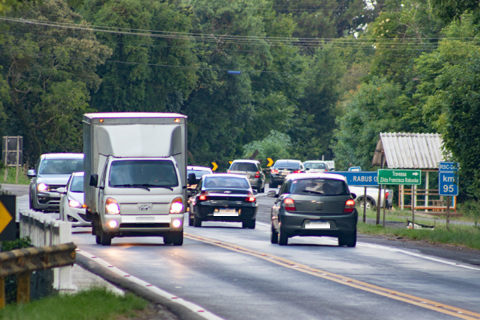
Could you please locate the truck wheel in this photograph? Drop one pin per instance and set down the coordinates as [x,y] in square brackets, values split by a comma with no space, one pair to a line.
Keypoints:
[283,238]
[103,238]
[368,203]
[176,238]
[197,222]
[167,239]
[274,235]
[349,240]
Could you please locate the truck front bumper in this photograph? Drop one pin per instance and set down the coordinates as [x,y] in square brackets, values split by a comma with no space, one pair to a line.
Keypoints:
[142,225]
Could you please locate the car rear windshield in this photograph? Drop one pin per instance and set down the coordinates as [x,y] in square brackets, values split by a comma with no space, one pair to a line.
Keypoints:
[60,166]
[198,173]
[287,165]
[243,166]
[143,173]
[77,184]
[327,187]
[226,182]
[313,165]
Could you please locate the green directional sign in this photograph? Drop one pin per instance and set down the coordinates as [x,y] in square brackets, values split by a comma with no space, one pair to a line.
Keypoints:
[399,177]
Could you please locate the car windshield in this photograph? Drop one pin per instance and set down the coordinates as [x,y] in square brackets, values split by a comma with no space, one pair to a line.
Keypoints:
[198,173]
[319,186]
[60,166]
[287,165]
[314,165]
[77,184]
[143,173]
[243,166]
[226,182]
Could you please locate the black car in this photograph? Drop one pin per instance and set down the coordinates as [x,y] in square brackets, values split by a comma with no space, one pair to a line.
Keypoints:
[314,204]
[223,197]
[281,169]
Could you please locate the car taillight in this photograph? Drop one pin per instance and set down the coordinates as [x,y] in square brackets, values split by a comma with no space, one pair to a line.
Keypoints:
[250,198]
[386,195]
[177,205]
[274,171]
[297,171]
[203,196]
[349,206]
[257,175]
[289,204]
[228,171]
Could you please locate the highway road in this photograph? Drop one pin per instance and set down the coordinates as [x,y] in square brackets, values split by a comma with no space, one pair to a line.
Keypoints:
[237,273]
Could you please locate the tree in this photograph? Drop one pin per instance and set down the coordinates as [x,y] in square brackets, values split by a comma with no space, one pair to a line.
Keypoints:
[49,71]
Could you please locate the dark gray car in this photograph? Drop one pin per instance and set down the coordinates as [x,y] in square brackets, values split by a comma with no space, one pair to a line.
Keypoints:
[314,205]
[281,169]
[252,170]
[52,171]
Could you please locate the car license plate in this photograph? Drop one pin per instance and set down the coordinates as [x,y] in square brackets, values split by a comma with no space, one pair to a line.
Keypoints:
[317,225]
[284,173]
[225,213]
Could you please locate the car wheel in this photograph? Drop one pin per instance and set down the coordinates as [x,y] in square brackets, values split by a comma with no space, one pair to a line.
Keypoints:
[274,235]
[283,238]
[349,240]
[272,185]
[369,204]
[30,202]
[197,222]
[250,224]
[190,221]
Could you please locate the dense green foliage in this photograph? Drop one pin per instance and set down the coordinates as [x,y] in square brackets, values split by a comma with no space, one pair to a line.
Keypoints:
[317,77]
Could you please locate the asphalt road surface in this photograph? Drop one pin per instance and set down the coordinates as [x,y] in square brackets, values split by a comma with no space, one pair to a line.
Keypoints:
[238,274]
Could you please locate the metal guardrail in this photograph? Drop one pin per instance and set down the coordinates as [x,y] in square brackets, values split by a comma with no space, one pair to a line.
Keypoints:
[23,262]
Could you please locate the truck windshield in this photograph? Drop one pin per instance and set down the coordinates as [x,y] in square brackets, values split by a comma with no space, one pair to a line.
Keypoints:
[143,174]
[60,166]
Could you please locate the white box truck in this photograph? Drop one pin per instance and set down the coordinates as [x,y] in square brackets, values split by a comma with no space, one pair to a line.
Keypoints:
[135,174]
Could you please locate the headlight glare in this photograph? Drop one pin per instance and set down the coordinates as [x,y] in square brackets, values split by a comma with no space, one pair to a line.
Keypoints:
[74,204]
[177,205]
[42,187]
[111,206]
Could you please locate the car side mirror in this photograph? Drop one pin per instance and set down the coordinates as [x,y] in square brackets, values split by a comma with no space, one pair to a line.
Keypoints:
[62,190]
[192,179]
[354,196]
[94,180]
[31,173]
[272,194]
[255,192]
[306,169]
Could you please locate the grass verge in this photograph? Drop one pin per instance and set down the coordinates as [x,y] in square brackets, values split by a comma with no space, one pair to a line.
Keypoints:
[93,304]
[467,236]
[22,178]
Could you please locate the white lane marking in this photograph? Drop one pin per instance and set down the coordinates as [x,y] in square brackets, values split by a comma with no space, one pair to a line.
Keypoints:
[418,255]
[189,305]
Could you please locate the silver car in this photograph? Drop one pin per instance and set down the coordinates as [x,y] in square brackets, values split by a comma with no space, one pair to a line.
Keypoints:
[52,171]
[252,170]
[316,166]
[72,202]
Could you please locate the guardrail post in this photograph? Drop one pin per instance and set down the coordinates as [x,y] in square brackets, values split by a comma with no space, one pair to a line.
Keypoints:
[2,292]
[23,287]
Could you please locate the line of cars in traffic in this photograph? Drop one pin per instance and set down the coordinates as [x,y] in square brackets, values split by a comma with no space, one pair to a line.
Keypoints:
[309,202]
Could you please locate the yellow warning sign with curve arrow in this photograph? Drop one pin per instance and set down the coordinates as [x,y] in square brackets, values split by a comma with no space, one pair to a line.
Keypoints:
[270,162]
[215,166]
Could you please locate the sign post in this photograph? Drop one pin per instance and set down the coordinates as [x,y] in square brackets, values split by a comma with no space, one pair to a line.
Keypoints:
[448,183]
[402,177]
[12,154]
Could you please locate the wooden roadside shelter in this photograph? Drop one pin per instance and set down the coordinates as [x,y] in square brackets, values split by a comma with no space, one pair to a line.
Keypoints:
[419,151]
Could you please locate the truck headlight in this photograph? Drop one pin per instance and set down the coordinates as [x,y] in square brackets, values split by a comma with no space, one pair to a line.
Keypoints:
[74,204]
[111,206]
[177,205]
[42,187]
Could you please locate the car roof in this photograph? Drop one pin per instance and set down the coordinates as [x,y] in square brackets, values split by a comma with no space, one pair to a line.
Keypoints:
[246,160]
[231,175]
[316,161]
[333,176]
[288,160]
[62,156]
[198,168]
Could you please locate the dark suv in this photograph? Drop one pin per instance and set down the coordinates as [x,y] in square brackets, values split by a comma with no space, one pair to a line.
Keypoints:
[281,169]
[51,172]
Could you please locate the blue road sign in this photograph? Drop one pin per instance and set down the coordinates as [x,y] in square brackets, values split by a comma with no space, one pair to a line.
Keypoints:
[234,72]
[447,183]
[448,166]
[359,178]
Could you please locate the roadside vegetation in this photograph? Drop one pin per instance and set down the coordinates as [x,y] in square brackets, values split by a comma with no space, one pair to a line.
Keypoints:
[22,177]
[93,304]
